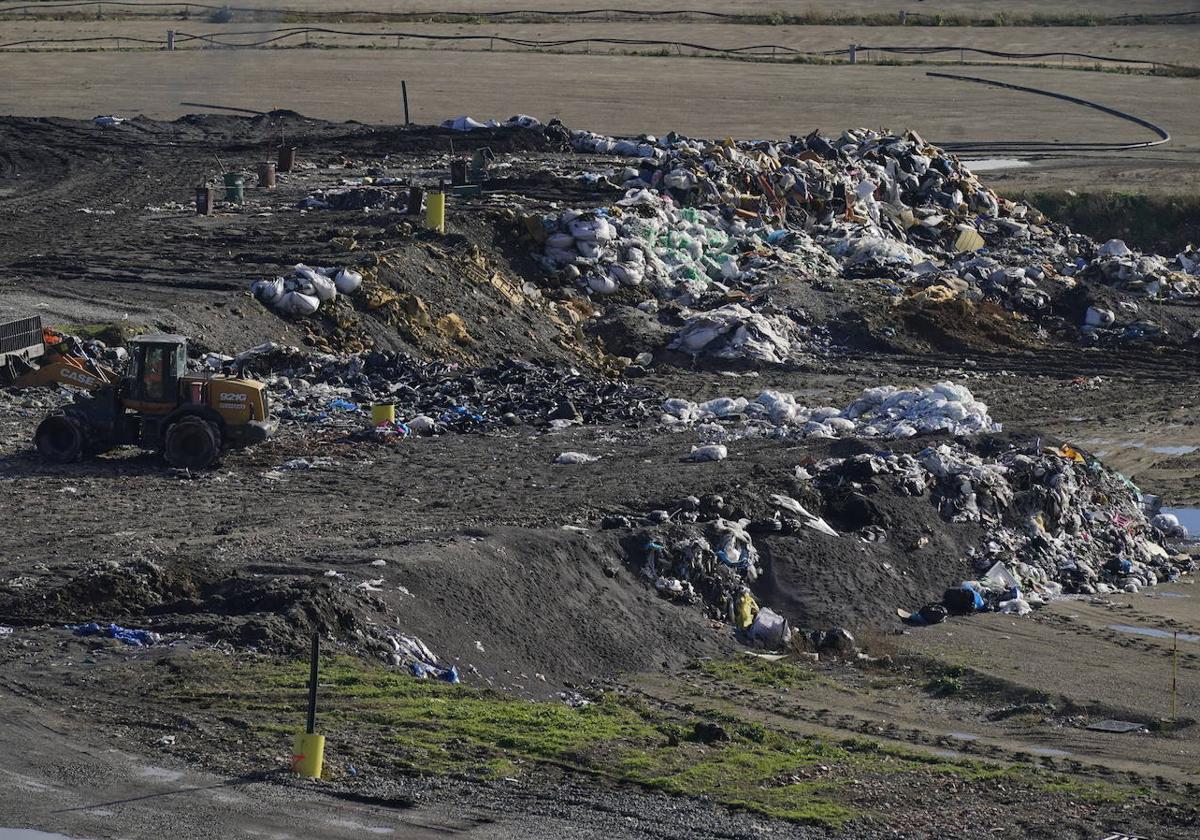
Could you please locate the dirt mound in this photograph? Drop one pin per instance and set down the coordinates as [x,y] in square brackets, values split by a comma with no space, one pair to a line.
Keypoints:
[275,614]
[103,589]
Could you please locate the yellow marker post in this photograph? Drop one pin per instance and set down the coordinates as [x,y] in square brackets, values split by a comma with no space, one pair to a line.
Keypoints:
[435,211]
[308,750]
[308,755]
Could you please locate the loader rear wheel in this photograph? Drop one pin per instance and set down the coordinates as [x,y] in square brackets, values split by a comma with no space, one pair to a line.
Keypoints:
[192,443]
[59,438]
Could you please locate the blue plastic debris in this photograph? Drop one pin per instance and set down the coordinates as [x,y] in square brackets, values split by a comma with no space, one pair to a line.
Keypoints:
[460,412]
[423,671]
[339,404]
[128,635]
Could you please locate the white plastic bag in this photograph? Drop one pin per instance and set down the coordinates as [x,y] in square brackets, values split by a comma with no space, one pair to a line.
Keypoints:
[710,452]
[324,288]
[297,303]
[576,458]
[347,281]
[268,291]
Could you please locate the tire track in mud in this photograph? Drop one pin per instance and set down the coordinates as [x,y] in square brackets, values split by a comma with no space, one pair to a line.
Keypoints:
[856,718]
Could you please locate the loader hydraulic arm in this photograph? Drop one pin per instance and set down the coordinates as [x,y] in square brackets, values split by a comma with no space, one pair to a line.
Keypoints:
[67,370]
[31,356]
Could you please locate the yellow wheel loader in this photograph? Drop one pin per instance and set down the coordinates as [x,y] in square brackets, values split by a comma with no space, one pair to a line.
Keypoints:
[158,405]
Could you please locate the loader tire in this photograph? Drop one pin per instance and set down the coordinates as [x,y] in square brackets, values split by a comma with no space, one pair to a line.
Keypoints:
[60,438]
[192,444]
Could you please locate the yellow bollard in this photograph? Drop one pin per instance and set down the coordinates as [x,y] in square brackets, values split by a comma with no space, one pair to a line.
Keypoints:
[308,749]
[435,211]
[308,755]
[381,414]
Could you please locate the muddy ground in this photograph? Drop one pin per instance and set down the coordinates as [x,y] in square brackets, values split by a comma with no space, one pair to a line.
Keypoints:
[492,554]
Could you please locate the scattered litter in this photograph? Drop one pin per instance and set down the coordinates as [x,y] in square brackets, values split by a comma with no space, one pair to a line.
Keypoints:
[576,458]
[1117,726]
[308,464]
[709,452]
[411,652]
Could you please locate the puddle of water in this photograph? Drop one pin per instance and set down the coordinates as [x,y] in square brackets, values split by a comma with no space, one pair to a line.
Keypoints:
[993,164]
[1169,595]
[1137,444]
[1049,751]
[357,826]
[1188,517]
[1153,632]
[30,834]
[160,774]
[963,736]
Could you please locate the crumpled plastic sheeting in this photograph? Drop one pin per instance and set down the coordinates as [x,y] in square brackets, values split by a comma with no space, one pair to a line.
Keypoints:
[885,412]
[981,491]
[128,635]
[466,123]
[735,332]
[576,458]
[701,554]
[707,562]
[411,652]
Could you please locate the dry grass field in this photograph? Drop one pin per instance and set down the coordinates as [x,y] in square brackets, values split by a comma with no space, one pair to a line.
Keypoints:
[621,94]
[1156,43]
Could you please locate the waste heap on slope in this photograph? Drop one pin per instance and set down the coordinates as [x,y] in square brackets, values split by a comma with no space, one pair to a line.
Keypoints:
[705,216]
[703,552]
[1057,519]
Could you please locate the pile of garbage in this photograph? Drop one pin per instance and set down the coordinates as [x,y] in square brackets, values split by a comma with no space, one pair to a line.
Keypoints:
[1058,521]
[736,332]
[884,412]
[703,552]
[1149,275]
[304,290]
[434,397]
[702,216]
[678,253]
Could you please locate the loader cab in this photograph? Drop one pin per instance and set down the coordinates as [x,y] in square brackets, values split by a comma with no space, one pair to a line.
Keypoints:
[157,363]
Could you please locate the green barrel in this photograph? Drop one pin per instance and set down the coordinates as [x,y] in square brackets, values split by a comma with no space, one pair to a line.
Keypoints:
[235,184]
